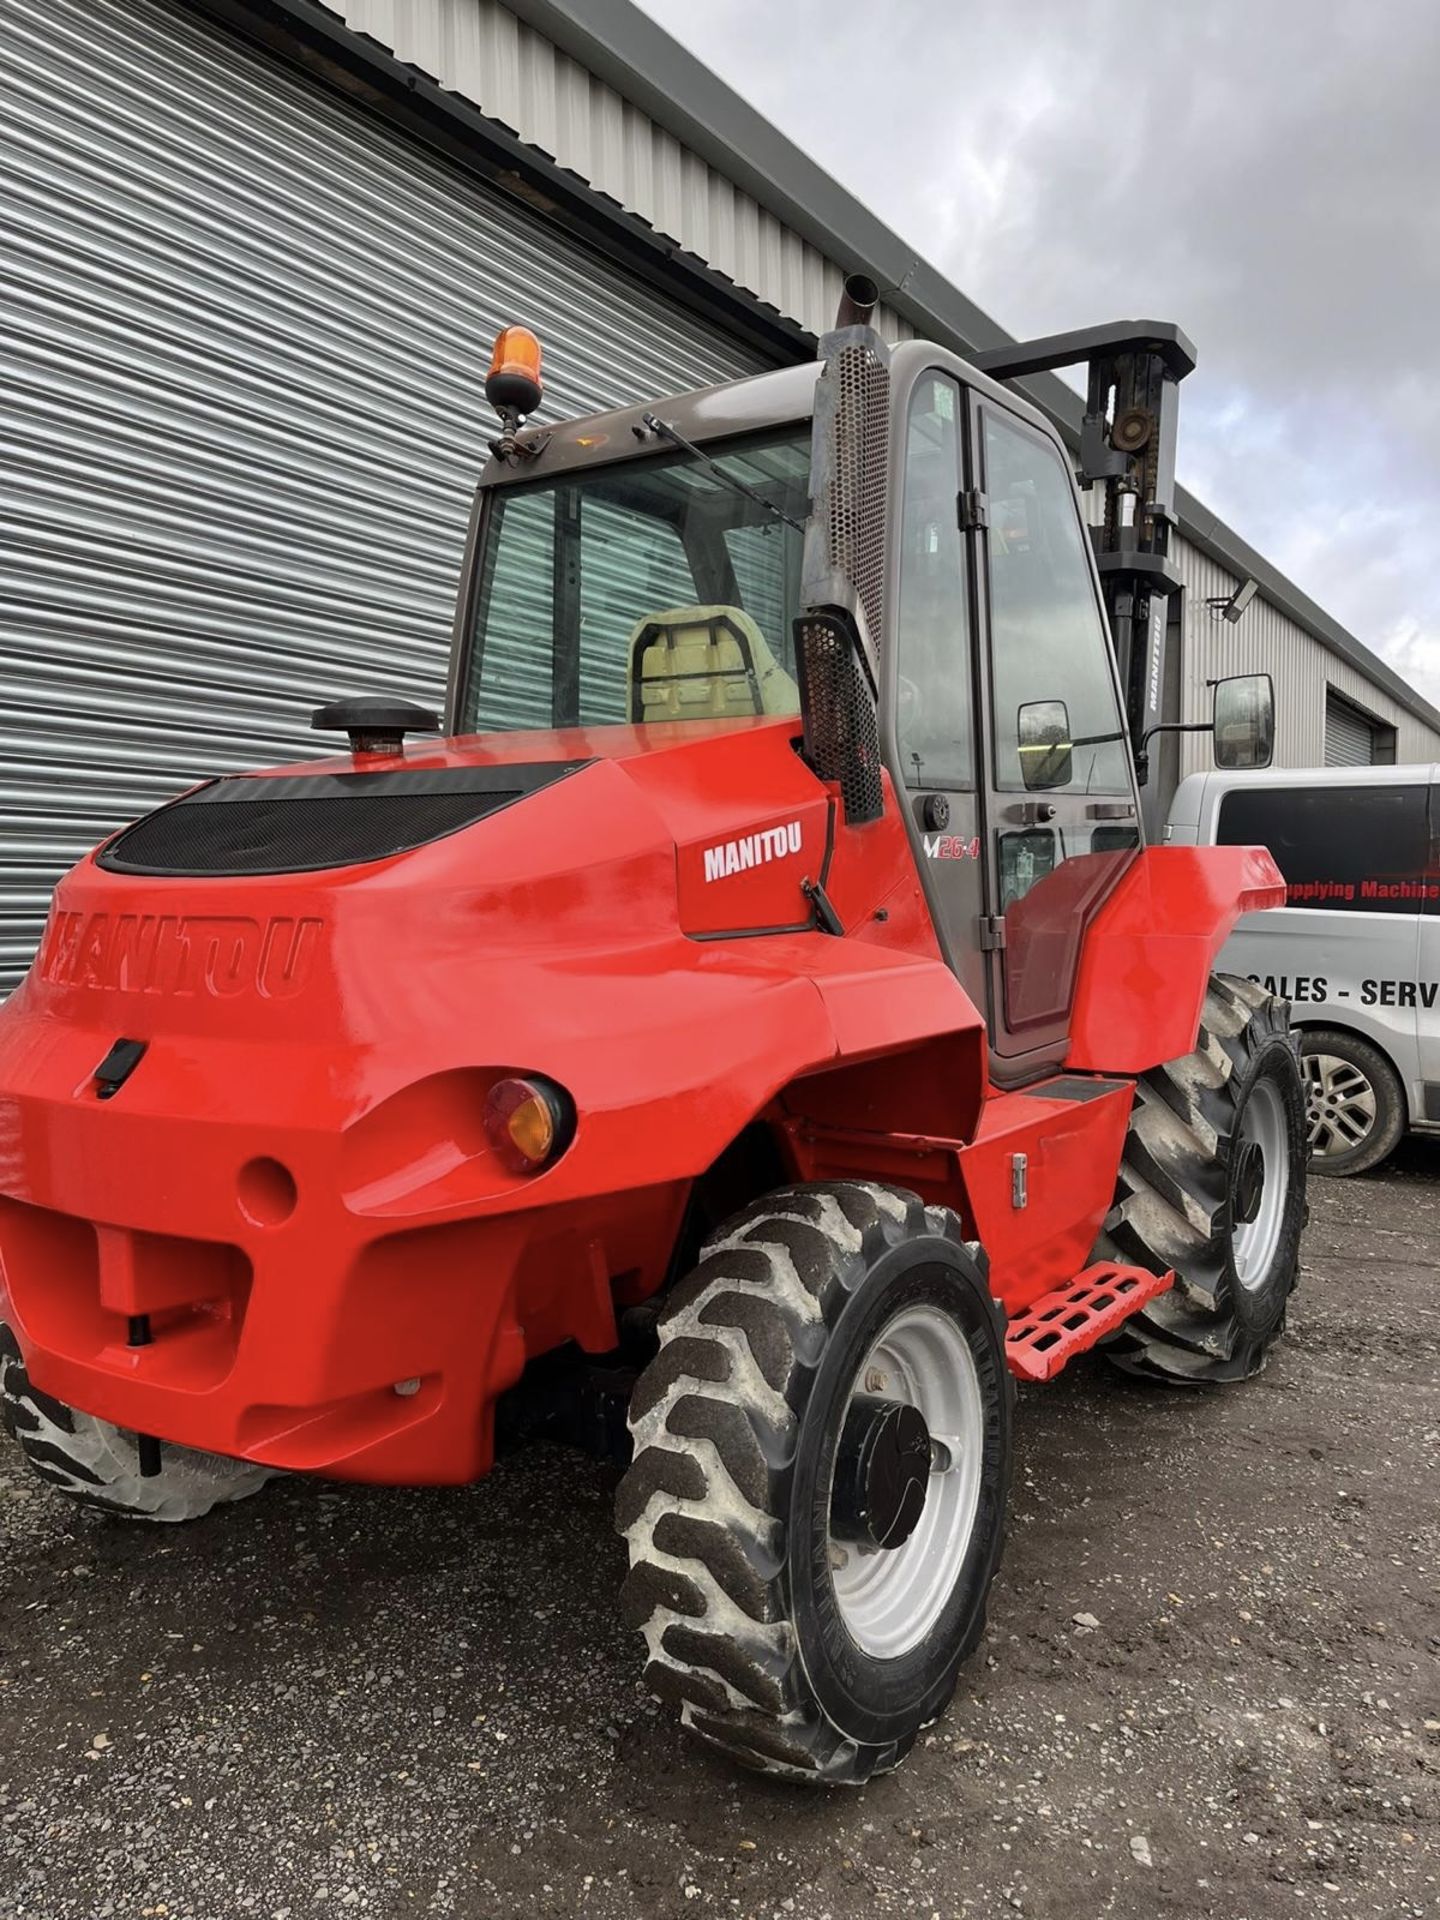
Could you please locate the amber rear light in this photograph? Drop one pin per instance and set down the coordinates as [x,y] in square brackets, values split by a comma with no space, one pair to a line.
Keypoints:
[528,1122]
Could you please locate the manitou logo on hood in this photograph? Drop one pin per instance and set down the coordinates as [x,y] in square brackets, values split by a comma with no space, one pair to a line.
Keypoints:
[752,850]
[187,953]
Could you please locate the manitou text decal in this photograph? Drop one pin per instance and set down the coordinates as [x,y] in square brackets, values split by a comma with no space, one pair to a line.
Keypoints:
[179,953]
[752,850]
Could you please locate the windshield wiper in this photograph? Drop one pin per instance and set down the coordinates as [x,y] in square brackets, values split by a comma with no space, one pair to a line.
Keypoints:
[666,432]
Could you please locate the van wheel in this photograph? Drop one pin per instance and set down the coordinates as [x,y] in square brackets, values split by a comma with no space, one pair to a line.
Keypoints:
[1212,1184]
[822,1454]
[1354,1103]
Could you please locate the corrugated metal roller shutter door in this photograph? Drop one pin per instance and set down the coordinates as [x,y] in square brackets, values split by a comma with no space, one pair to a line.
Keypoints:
[1349,737]
[245,339]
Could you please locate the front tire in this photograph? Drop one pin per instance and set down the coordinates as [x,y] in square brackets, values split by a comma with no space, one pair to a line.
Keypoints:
[1212,1184]
[98,1464]
[816,1503]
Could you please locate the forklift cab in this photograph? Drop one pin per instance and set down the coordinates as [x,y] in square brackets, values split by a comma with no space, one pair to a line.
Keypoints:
[651,571]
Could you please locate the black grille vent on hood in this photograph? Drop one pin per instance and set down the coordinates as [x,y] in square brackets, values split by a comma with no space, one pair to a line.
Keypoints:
[303,822]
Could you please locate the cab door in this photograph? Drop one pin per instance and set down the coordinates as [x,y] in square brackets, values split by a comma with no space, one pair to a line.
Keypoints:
[931,748]
[1059,794]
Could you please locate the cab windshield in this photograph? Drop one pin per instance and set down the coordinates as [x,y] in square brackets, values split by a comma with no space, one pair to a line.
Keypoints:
[644,591]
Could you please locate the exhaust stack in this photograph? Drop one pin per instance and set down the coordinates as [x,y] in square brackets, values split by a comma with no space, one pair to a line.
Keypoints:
[858,300]
[837,635]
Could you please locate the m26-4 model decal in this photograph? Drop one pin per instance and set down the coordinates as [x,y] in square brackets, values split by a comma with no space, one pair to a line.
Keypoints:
[752,850]
[951,846]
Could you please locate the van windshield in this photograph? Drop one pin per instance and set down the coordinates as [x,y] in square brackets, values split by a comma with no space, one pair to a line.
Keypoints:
[643,591]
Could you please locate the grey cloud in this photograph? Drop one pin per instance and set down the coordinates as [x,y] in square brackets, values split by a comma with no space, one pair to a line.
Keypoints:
[1267,173]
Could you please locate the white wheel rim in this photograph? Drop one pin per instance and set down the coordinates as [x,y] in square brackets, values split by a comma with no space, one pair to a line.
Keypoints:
[890,1600]
[1340,1104]
[1262,1131]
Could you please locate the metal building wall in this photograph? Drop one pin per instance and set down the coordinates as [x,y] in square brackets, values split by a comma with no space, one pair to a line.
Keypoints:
[246,335]
[481,51]
[1266,640]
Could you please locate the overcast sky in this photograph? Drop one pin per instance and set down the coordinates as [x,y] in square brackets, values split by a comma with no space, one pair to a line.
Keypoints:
[1265,172]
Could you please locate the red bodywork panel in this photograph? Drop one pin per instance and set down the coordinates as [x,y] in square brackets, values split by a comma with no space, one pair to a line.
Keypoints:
[1149,950]
[1070,1132]
[294,1183]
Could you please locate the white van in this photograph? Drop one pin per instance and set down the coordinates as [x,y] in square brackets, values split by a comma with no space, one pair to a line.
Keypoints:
[1356,949]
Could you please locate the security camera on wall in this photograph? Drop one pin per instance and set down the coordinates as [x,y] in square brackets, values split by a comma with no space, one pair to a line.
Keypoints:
[1233,608]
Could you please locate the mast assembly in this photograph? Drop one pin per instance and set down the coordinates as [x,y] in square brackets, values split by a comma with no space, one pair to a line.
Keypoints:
[1127,449]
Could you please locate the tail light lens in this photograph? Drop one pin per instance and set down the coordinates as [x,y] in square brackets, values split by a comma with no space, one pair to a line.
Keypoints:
[529,1122]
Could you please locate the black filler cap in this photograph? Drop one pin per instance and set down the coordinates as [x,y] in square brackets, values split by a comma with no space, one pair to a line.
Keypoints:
[375,723]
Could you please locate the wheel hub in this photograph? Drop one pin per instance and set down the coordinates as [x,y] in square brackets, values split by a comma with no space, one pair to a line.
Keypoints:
[1341,1105]
[1259,1185]
[882,1474]
[890,1595]
[1249,1182]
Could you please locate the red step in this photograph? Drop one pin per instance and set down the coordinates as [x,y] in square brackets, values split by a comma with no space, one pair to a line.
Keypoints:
[1048,1335]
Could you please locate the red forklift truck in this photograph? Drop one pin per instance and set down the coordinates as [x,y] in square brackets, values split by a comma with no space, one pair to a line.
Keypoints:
[750,1036]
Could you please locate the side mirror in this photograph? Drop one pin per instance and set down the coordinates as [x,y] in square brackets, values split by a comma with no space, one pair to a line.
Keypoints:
[1044,740]
[1244,722]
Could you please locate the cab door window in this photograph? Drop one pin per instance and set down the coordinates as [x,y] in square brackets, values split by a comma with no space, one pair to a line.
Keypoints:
[1062,796]
[1047,636]
[932,740]
[933,724]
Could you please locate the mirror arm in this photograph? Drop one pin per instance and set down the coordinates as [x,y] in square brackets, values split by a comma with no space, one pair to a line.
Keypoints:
[1172,726]
[1142,750]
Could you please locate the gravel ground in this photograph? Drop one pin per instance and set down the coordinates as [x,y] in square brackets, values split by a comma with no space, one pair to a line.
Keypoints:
[333,1700]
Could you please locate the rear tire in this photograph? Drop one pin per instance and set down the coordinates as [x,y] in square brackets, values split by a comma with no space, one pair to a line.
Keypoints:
[780,1639]
[98,1464]
[1355,1104]
[1212,1184]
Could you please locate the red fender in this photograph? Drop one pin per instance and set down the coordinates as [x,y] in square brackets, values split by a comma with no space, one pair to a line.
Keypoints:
[1149,951]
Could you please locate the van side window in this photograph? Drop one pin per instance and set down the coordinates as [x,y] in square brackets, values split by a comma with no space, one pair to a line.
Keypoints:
[1361,849]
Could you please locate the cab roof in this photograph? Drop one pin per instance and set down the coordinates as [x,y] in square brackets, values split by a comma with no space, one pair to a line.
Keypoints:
[763,400]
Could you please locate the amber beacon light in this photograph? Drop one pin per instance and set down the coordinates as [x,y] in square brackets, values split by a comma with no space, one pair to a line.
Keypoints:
[513,384]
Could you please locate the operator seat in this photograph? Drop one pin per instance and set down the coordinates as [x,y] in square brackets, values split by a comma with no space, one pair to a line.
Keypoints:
[702,663]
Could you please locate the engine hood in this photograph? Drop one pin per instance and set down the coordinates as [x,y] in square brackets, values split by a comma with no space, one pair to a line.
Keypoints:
[592,928]
[291,1169]
[364,893]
